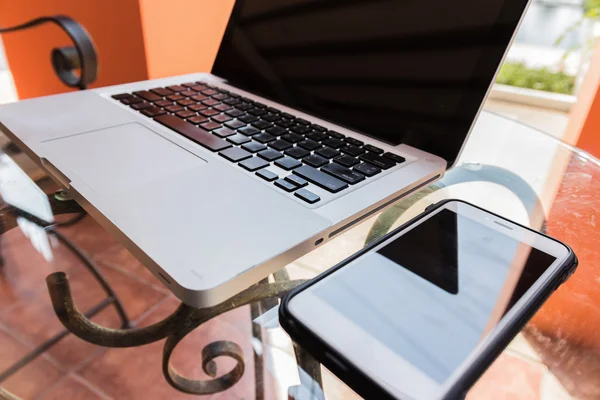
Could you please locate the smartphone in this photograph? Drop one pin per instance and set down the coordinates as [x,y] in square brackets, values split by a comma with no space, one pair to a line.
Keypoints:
[424,311]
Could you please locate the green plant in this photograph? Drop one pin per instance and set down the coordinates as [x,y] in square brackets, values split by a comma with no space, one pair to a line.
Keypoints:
[520,75]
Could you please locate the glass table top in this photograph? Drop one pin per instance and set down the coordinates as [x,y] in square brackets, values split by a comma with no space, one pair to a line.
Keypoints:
[506,167]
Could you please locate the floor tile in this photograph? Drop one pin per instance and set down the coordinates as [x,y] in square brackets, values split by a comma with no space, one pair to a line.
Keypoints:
[34,320]
[71,388]
[32,379]
[24,269]
[135,373]
[509,378]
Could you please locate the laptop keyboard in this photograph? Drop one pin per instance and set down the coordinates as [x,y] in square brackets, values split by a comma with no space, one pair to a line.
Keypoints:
[256,136]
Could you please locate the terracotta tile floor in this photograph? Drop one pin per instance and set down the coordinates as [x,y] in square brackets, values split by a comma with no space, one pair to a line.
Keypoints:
[74,369]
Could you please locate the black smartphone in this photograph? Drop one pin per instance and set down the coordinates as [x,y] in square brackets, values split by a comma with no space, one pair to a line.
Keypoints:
[424,311]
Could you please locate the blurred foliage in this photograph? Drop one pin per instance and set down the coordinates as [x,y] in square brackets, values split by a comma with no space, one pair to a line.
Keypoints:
[520,75]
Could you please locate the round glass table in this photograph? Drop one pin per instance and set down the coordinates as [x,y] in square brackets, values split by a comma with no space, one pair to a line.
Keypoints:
[237,349]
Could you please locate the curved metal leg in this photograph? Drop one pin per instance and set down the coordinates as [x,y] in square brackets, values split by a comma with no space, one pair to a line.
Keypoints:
[175,327]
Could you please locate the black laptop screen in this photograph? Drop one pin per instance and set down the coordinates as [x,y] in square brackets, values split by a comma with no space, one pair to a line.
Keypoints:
[402,71]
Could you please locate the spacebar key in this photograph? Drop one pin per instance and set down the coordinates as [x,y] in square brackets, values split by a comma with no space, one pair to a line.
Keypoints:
[192,132]
[321,179]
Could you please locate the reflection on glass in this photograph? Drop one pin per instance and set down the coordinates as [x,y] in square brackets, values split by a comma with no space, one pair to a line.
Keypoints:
[431,295]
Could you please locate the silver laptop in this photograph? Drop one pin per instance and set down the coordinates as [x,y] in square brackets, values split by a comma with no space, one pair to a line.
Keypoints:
[316,115]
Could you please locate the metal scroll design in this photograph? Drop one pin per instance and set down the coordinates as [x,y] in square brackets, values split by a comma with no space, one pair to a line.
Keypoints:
[174,327]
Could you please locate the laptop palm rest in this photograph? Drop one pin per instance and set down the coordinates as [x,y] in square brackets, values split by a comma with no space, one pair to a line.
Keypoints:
[119,158]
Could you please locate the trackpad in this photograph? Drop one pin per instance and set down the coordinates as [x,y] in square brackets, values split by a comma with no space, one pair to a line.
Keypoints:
[119,158]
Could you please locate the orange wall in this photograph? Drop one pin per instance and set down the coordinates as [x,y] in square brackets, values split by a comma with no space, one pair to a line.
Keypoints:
[114,25]
[183,36]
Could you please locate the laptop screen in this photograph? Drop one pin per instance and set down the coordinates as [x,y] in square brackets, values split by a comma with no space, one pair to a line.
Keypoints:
[401,71]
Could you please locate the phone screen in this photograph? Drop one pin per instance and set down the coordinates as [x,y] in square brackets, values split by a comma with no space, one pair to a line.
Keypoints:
[410,313]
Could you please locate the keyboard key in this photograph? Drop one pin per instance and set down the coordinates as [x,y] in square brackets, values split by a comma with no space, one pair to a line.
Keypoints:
[222,107]
[270,154]
[163,92]
[285,185]
[264,137]
[248,118]
[301,129]
[335,134]
[185,113]
[352,150]
[238,139]
[243,106]
[309,144]
[210,125]
[189,84]
[271,117]
[327,152]
[174,108]
[253,164]
[395,157]
[335,143]
[199,97]
[131,100]
[296,180]
[235,154]
[354,142]
[141,106]
[273,110]
[297,152]
[307,196]
[210,102]
[221,96]
[221,118]
[318,128]
[267,175]
[197,107]
[257,111]
[185,102]
[343,173]
[224,132]
[248,130]
[176,88]
[261,124]
[235,124]
[277,131]
[373,149]
[346,160]
[288,163]
[302,121]
[188,93]
[317,136]
[234,113]
[285,123]
[192,132]
[287,115]
[198,119]
[209,112]
[378,161]
[163,103]
[148,96]
[209,92]
[175,97]
[154,111]
[367,169]
[320,179]
[121,96]
[254,147]
[315,160]
[198,88]
[292,137]
[280,145]
[231,101]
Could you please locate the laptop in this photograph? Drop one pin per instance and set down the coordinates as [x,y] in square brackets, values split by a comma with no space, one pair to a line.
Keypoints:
[316,115]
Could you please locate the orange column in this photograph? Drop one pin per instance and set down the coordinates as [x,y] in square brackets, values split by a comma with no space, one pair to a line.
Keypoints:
[583,129]
[135,39]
